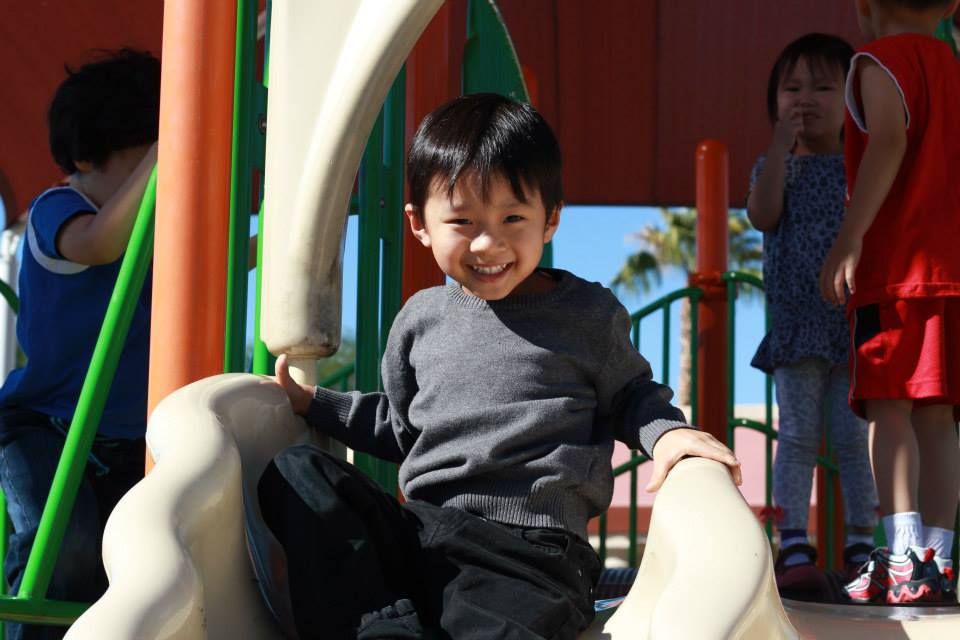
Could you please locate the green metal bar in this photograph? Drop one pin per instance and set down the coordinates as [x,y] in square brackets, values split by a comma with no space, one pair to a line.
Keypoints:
[634,462]
[695,356]
[93,396]
[10,296]
[338,377]
[238,250]
[40,611]
[659,303]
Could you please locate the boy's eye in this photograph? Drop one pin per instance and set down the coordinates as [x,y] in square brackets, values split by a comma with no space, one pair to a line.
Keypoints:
[458,221]
[514,218]
[826,87]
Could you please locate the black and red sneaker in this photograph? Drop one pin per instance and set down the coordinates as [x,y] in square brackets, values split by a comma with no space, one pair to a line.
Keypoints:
[897,579]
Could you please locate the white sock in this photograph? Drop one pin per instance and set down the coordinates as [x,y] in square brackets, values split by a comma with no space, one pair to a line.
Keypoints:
[942,542]
[903,530]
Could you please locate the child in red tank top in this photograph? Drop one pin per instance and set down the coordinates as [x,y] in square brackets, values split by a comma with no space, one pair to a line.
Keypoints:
[896,254]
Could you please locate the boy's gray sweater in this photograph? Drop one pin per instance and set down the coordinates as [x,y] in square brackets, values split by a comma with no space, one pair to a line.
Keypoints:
[507,409]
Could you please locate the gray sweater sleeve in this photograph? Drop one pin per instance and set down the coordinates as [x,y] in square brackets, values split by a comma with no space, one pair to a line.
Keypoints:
[370,422]
[638,407]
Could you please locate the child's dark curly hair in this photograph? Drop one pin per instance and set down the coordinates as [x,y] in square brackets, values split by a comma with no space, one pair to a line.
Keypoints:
[105,106]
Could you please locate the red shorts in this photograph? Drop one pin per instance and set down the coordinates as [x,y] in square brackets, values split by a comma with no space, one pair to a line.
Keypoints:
[906,349]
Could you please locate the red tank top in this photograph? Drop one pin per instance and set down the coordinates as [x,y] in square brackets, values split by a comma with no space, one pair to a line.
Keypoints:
[912,249]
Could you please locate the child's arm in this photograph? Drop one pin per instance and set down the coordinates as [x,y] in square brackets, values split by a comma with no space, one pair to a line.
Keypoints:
[765,202]
[885,118]
[365,422]
[102,238]
[641,413]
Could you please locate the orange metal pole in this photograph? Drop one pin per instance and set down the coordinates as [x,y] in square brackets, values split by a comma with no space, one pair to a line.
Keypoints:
[712,201]
[193,194]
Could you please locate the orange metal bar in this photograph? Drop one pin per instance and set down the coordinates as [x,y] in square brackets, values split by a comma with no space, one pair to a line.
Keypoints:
[193,194]
[712,198]
[433,77]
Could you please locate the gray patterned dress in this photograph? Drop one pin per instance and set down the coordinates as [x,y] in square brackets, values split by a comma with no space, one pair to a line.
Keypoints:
[802,324]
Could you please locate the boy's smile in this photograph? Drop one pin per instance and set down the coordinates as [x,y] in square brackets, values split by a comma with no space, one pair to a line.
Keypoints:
[490,246]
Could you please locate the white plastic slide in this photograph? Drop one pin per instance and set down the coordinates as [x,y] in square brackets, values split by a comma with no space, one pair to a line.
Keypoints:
[331,66]
[174,547]
[706,572]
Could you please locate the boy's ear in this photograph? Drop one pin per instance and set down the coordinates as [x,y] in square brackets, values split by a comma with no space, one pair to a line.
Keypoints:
[83,166]
[553,222]
[416,224]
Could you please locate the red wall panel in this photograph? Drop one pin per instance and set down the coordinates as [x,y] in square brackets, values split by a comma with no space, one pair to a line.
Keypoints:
[37,39]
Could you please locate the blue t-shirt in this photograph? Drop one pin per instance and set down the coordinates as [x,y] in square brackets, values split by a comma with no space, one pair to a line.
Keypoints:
[802,323]
[62,305]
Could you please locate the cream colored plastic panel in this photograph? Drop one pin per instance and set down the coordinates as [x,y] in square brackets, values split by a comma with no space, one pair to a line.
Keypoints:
[331,65]
[706,572]
[174,547]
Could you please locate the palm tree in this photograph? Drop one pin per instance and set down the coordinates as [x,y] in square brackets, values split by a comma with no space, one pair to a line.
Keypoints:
[673,243]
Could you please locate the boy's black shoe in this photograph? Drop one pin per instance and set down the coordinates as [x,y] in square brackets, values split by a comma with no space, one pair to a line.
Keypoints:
[800,581]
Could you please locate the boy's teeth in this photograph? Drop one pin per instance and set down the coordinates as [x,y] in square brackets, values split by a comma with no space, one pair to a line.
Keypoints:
[490,270]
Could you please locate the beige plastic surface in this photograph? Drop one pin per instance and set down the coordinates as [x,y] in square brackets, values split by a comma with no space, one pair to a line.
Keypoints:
[331,65]
[706,572]
[174,547]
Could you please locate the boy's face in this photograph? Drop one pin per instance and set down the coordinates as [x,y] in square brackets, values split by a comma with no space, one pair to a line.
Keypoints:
[491,248]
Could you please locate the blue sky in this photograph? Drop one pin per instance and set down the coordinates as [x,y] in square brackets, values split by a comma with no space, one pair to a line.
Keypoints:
[593,242]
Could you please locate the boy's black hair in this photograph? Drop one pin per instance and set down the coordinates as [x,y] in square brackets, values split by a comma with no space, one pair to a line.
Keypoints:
[485,135]
[105,106]
[821,51]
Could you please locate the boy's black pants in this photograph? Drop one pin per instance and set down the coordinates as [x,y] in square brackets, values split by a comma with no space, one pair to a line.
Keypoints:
[353,549]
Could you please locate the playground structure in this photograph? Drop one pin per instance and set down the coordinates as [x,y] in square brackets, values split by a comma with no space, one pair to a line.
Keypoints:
[224,412]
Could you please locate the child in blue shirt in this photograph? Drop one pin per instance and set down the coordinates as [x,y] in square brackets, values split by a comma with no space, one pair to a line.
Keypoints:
[103,124]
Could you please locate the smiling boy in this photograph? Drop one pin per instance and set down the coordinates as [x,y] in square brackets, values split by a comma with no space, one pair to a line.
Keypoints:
[503,394]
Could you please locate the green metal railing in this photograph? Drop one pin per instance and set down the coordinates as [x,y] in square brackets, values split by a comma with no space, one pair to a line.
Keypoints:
[30,603]
[733,280]
[340,380]
[693,295]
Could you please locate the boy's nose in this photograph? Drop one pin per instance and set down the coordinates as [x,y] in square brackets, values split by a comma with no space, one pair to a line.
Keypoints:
[485,242]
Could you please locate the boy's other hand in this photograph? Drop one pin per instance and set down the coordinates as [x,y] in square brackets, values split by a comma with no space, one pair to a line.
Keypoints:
[839,268]
[300,394]
[675,445]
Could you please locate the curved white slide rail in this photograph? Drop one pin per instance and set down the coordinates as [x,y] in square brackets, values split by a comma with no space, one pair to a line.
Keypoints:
[706,573]
[174,547]
[332,63]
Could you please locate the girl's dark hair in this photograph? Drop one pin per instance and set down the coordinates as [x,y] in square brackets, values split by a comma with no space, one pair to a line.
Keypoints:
[485,135]
[821,51]
[105,106]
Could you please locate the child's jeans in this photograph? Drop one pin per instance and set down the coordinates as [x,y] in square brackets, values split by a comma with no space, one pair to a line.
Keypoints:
[30,448]
[804,391]
[352,548]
